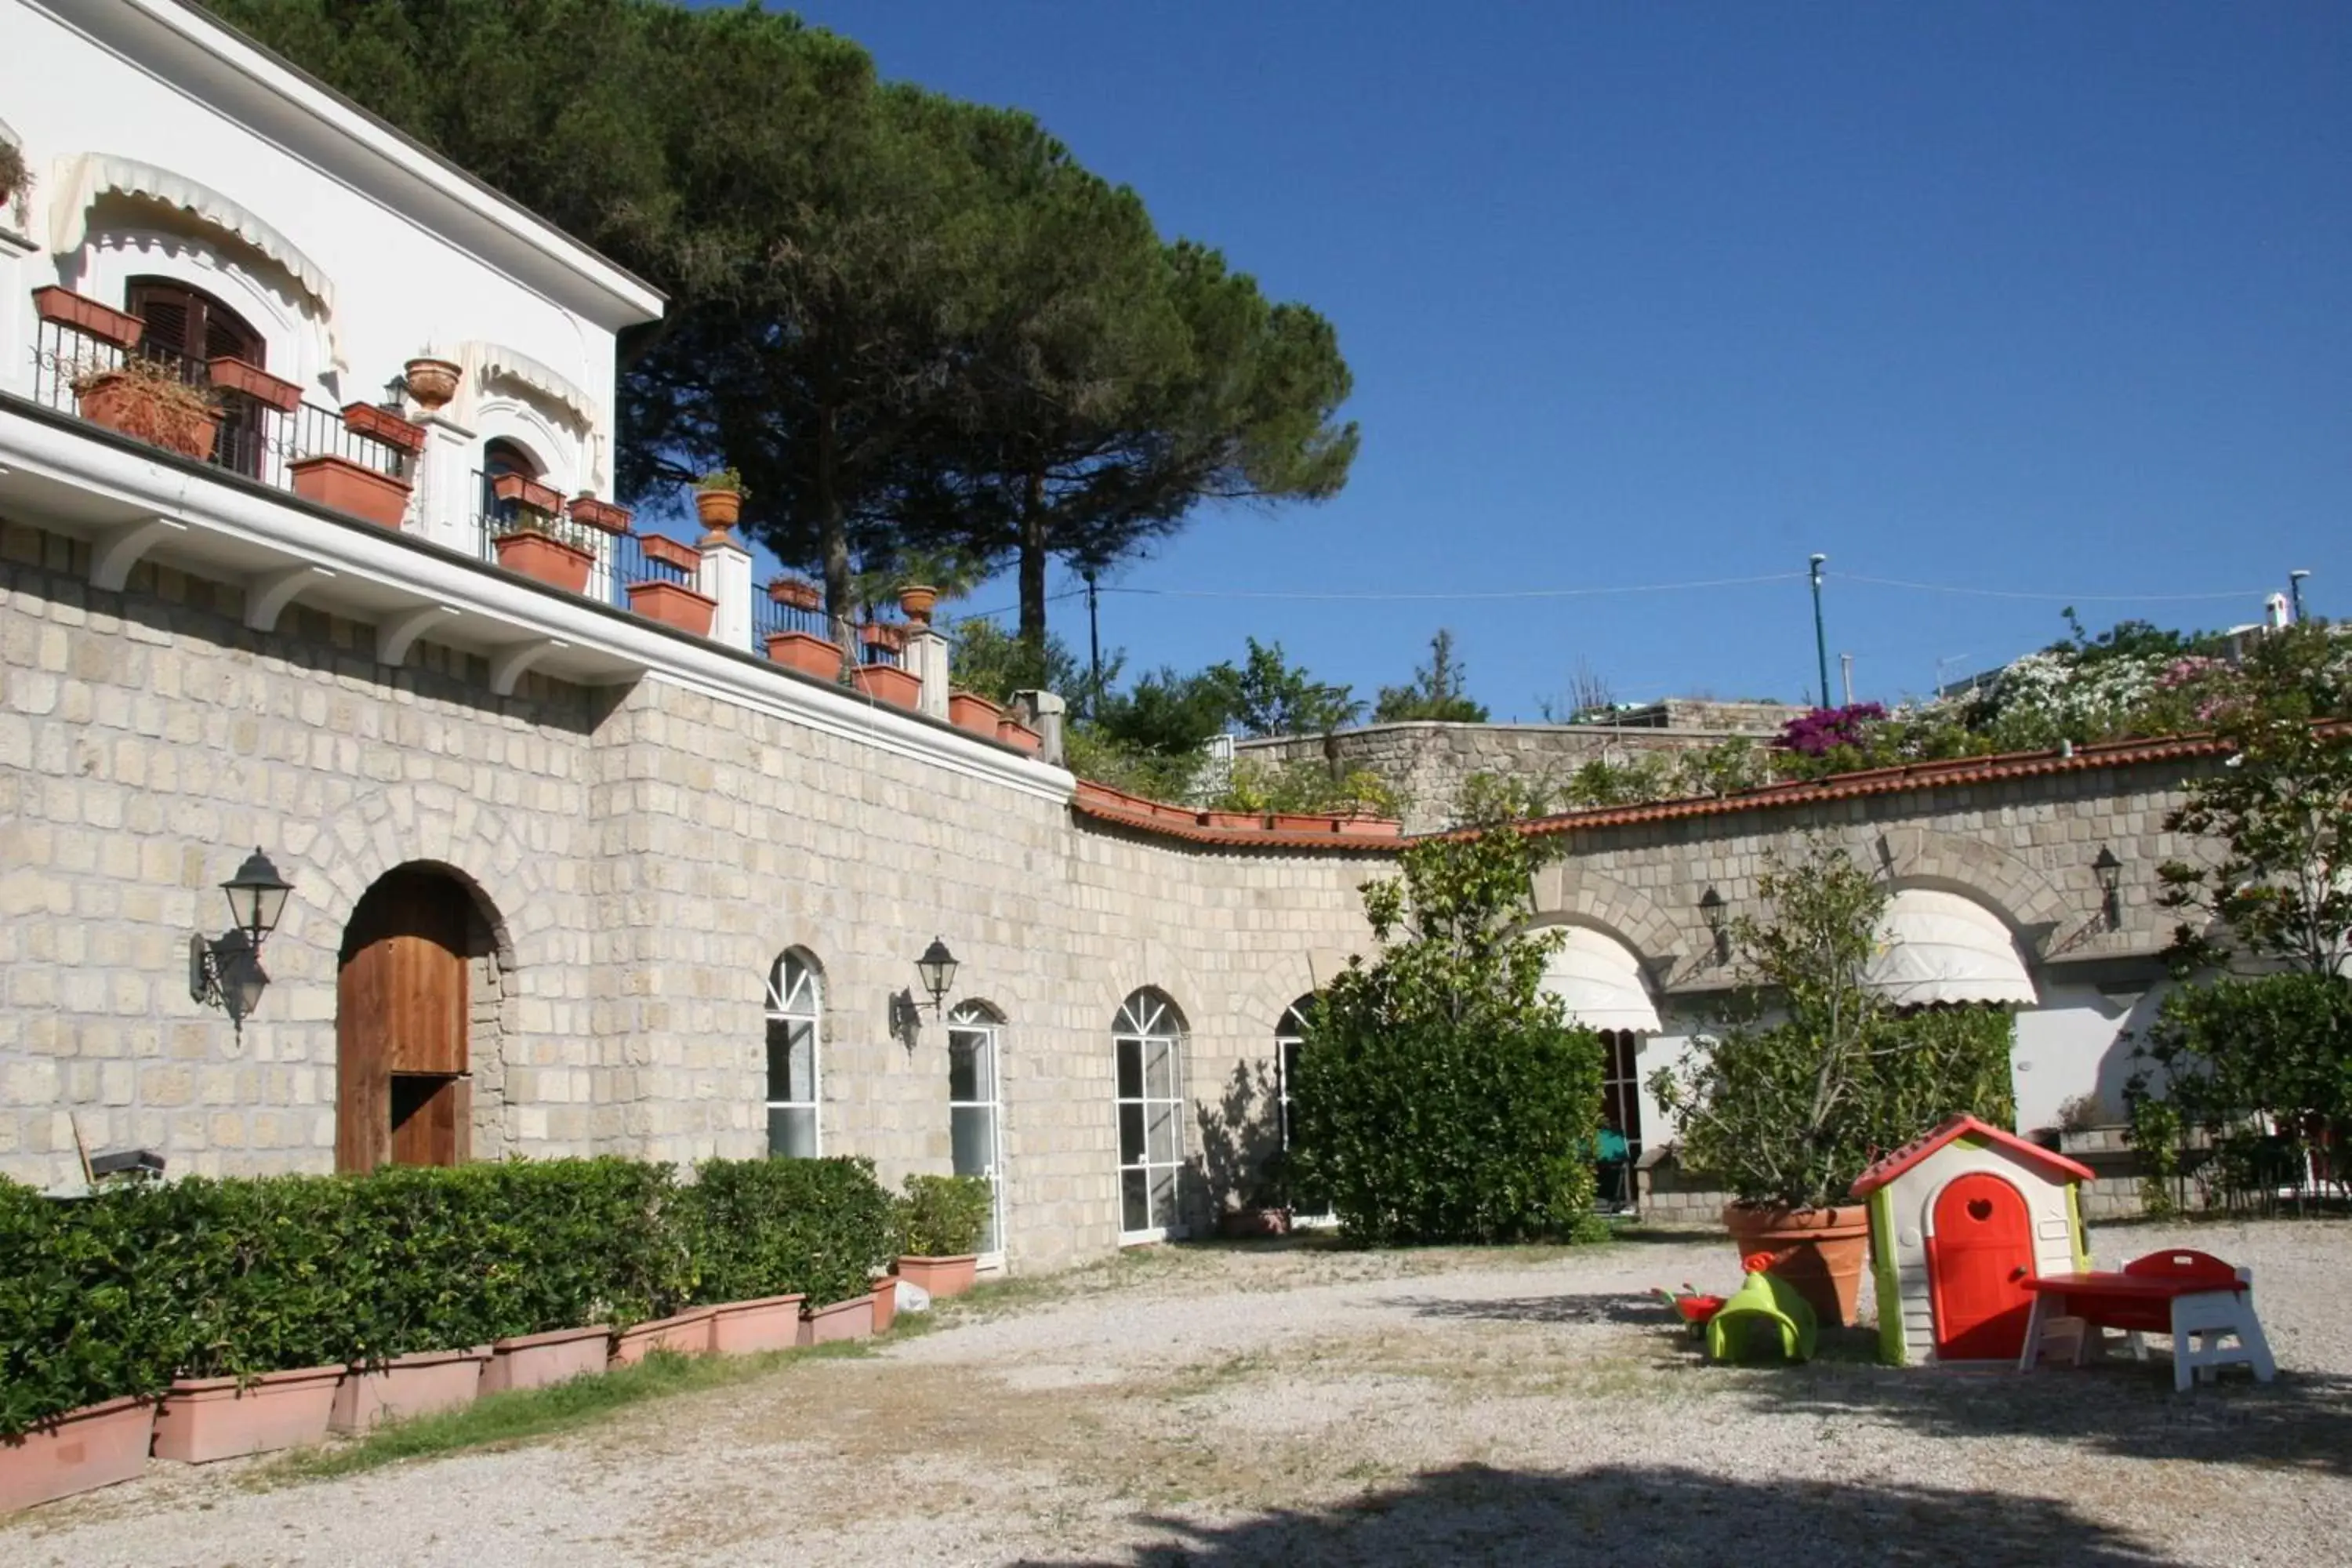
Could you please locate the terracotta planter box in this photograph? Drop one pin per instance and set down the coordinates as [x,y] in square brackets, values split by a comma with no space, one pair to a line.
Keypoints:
[1369,827]
[668,552]
[747,1328]
[886,1303]
[601,515]
[545,559]
[1256,819]
[117,400]
[68,309]
[971,712]
[82,1450]
[232,375]
[942,1277]
[207,1418]
[382,424]
[536,1361]
[809,655]
[718,508]
[408,1386]
[1819,1252]
[1294,822]
[353,488]
[798,595]
[526,493]
[688,1333]
[673,606]
[850,1319]
[1014,732]
[889,683]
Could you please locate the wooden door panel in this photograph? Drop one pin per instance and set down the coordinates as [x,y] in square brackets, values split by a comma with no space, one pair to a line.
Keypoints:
[428,1116]
[400,1024]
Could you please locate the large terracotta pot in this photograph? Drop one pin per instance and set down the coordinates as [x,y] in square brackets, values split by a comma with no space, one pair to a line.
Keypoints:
[353,488]
[535,1361]
[886,1303]
[942,1277]
[718,508]
[1819,1252]
[206,1418]
[80,1451]
[416,1385]
[916,601]
[809,655]
[432,383]
[688,1333]
[664,601]
[850,1319]
[747,1328]
[545,559]
[121,401]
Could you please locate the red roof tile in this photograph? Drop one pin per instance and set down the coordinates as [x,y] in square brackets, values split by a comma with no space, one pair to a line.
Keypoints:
[1892,1165]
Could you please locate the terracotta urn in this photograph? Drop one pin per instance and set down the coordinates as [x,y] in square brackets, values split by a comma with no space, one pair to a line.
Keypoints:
[917,601]
[431,382]
[1818,1253]
[718,508]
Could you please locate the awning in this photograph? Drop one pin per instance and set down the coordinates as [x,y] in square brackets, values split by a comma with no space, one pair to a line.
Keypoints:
[482,361]
[84,178]
[1599,979]
[1945,948]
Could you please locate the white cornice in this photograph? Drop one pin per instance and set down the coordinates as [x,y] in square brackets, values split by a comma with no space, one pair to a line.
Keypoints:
[253,521]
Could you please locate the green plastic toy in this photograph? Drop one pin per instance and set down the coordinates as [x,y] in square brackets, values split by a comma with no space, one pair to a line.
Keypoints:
[1760,1301]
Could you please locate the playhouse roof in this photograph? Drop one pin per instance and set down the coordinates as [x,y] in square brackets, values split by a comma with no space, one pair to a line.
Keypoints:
[1890,1166]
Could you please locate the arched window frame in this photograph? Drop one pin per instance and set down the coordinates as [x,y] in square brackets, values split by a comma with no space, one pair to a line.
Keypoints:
[1289,1041]
[796,1055]
[1147,1049]
[116,252]
[980,1109]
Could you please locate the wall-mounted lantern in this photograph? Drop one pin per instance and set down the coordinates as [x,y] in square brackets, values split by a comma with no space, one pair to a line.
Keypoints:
[225,970]
[1718,926]
[2110,872]
[938,968]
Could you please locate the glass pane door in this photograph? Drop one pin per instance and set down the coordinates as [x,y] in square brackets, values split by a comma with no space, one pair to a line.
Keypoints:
[975,1121]
[1150,1056]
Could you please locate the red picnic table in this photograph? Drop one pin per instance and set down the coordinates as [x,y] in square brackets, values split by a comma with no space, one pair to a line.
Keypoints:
[2194,1296]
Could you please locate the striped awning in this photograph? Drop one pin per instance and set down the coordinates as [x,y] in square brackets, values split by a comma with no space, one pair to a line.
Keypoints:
[1943,947]
[1599,981]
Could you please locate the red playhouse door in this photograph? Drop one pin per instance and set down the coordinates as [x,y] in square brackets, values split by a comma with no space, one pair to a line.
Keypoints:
[1979,1257]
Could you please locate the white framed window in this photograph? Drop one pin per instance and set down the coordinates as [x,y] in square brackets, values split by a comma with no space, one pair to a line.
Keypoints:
[976,1109]
[1147,1040]
[1290,1043]
[795,1038]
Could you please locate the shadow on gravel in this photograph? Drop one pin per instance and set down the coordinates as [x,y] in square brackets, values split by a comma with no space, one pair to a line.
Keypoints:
[1626,1514]
[1616,1306]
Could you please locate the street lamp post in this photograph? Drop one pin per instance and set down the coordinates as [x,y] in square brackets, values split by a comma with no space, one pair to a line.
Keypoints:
[1821,637]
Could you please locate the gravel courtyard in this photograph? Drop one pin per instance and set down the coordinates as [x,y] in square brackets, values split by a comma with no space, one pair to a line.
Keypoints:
[1273,1404]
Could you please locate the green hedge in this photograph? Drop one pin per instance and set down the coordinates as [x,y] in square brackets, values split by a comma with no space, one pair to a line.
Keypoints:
[941,1216]
[119,1292]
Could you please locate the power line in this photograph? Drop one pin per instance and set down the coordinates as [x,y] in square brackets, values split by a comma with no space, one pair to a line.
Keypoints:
[2053,598]
[1464,593]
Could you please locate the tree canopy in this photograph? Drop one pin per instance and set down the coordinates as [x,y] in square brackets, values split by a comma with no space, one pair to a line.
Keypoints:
[912,324]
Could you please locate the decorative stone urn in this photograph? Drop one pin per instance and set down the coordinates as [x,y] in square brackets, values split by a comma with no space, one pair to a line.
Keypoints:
[431,382]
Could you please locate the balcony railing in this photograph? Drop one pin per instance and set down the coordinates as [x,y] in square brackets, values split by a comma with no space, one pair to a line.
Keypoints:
[256,438]
[771,614]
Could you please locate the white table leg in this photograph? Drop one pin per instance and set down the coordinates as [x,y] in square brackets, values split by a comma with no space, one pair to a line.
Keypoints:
[2033,1321]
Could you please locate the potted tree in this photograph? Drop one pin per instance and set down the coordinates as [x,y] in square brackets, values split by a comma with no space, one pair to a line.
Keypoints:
[147,402]
[719,499]
[940,1221]
[1813,1074]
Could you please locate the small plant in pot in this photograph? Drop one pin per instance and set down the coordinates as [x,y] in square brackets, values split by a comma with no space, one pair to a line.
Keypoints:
[148,401]
[940,1221]
[1814,1074]
[532,543]
[719,499]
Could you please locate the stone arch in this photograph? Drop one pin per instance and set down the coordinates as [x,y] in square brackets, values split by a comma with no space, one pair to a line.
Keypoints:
[1973,868]
[1565,895]
[1258,1003]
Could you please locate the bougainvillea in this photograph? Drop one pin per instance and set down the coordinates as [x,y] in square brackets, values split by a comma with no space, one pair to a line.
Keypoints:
[1824,730]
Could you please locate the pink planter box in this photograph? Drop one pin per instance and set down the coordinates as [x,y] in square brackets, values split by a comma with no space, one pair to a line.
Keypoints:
[408,1386]
[207,1418]
[942,1277]
[850,1319]
[886,1303]
[688,1333]
[747,1328]
[94,1446]
[535,1361]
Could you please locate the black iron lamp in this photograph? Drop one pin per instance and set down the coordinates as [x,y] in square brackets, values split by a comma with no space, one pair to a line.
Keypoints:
[1711,911]
[2110,872]
[938,968]
[226,972]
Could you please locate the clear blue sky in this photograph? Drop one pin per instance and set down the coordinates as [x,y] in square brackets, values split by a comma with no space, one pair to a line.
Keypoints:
[2044,299]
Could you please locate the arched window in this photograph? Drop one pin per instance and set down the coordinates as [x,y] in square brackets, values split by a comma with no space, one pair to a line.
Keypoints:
[1290,1043]
[1148,1039]
[976,1109]
[795,1020]
[186,330]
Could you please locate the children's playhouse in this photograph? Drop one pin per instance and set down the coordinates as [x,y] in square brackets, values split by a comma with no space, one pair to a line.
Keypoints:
[1958,1219]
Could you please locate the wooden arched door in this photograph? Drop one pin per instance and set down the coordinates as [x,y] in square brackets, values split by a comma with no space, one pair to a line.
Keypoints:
[402,1091]
[1978,1256]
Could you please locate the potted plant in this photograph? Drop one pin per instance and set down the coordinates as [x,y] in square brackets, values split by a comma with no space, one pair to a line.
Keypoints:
[147,402]
[207,1418]
[534,1361]
[526,494]
[87,316]
[354,487]
[916,601]
[849,1319]
[673,604]
[1813,1074]
[940,1221]
[806,652]
[719,499]
[970,711]
[668,552]
[431,382]
[14,176]
[686,1334]
[229,374]
[382,424]
[747,1328]
[889,683]
[1014,732]
[531,546]
[604,516]
[416,1384]
[79,1451]
[797,593]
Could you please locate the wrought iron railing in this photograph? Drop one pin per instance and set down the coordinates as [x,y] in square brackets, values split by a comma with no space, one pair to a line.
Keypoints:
[771,614]
[256,438]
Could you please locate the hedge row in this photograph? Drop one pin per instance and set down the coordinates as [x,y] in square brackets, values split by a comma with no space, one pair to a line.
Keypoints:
[120,1292]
